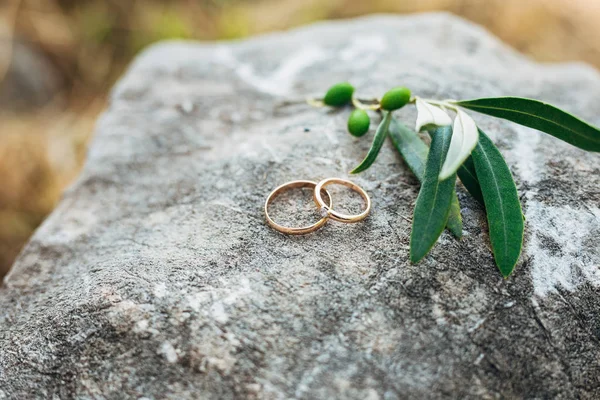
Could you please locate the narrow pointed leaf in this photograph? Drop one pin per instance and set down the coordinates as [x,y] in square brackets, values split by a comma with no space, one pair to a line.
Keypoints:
[430,116]
[505,218]
[464,140]
[541,116]
[468,177]
[434,200]
[455,223]
[378,140]
[414,152]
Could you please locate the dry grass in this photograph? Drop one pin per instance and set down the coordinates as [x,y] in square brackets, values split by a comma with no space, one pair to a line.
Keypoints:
[91,41]
[39,157]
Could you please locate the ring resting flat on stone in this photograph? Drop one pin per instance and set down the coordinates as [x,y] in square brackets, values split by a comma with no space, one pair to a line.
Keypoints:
[288,230]
[325,210]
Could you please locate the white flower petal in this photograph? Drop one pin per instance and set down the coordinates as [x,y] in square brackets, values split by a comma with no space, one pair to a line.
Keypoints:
[430,116]
[464,139]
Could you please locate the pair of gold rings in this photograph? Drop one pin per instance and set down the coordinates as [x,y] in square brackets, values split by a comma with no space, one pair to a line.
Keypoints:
[325,210]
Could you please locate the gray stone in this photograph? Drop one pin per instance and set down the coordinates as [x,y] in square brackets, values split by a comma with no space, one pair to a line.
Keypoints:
[157,277]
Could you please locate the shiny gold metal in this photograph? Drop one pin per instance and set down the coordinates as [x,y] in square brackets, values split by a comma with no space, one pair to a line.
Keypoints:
[327,211]
[288,230]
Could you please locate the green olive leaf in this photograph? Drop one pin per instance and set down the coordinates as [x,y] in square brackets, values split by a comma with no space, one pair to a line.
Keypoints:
[414,152]
[541,116]
[505,218]
[455,223]
[468,177]
[378,140]
[410,146]
[435,198]
[464,140]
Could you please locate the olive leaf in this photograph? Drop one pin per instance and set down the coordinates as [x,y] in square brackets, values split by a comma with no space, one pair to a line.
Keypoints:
[468,177]
[430,116]
[505,218]
[464,140]
[435,197]
[455,223]
[541,116]
[378,140]
[414,152]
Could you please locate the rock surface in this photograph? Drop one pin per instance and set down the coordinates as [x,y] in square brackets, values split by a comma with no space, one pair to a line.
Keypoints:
[156,277]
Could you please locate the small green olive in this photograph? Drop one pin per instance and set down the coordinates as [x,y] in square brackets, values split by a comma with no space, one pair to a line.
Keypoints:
[339,94]
[395,98]
[358,123]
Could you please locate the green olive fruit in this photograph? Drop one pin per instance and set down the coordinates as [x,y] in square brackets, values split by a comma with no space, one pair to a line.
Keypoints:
[395,98]
[339,94]
[358,123]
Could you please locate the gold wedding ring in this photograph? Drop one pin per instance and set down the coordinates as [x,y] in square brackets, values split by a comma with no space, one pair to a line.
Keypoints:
[326,211]
[285,229]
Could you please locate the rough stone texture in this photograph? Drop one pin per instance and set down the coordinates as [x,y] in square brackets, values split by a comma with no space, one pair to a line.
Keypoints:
[156,276]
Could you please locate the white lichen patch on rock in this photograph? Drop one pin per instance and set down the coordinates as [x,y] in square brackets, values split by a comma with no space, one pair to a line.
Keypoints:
[364,50]
[280,81]
[527,159]
[563,246]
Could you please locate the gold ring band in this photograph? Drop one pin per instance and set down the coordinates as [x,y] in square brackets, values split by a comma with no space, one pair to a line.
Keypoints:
[327,211]
[288,230]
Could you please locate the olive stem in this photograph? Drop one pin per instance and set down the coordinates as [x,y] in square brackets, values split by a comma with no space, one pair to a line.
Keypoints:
[358,103]
[315,102]
[441,103]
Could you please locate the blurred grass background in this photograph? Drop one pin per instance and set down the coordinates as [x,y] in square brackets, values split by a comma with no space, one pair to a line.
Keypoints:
[59,58]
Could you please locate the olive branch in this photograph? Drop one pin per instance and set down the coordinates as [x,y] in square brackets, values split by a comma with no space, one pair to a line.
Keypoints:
[458,149]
